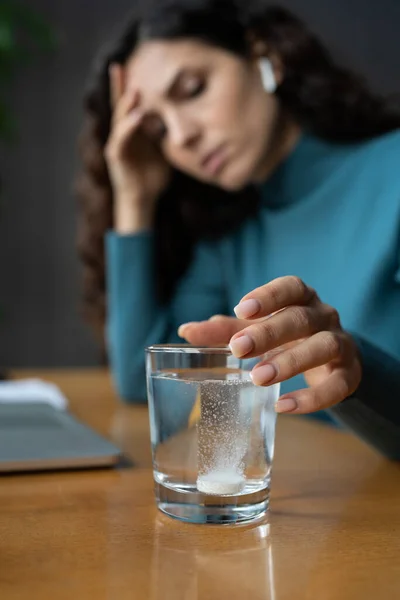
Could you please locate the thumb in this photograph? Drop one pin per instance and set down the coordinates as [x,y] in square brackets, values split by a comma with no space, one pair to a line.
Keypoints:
[214,332]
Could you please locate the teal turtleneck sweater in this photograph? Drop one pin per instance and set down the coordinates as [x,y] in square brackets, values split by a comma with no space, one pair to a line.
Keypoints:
[329,214]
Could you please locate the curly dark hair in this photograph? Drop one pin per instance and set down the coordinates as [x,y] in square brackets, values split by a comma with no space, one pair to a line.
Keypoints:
[324,98]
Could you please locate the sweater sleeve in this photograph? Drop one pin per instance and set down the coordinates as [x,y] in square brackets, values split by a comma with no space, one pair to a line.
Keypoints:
[372,412]
[135,318]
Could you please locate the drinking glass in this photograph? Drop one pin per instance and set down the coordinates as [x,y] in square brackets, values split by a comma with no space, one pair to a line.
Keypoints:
[212,434]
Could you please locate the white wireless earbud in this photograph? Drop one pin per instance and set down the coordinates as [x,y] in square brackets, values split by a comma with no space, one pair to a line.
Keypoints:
[267,75]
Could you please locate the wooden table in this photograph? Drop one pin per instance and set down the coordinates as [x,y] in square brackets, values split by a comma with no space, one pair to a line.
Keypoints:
[333,531]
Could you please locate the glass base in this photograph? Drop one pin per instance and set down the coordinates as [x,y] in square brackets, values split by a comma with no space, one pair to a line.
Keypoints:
[191,506]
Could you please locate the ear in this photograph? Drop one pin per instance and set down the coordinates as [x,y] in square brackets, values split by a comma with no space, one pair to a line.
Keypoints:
[269,64]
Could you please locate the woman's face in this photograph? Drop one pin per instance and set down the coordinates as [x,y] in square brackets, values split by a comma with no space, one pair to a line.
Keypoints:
[206,108]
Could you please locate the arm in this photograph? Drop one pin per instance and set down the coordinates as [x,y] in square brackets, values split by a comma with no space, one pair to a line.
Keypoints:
[135,318]
[372,411]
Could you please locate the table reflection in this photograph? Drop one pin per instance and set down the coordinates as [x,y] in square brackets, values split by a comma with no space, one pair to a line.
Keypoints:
[196,563]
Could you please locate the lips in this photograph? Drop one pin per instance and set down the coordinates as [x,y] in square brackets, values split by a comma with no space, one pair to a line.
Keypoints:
[214,161]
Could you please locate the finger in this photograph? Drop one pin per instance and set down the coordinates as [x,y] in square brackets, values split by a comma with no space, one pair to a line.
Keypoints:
[122,134]
[290,324]
[338,385]
[116,83]
[218,330]
[318,350]
[273,296]
[127,104]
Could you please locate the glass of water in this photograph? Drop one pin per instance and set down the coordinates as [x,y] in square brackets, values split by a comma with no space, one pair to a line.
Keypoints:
[212,434]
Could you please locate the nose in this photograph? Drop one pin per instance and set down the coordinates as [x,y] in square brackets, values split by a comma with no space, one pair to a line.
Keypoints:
[184,131]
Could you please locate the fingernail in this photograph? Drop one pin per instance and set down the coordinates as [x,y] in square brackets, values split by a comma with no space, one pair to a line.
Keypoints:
[286,405]
[216,317]
[183,327]
[264,374]
[247,309]
[241,346]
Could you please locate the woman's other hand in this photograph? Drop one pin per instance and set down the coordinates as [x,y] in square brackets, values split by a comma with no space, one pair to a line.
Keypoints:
[137,169]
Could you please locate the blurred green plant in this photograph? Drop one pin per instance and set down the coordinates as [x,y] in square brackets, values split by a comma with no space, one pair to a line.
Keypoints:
[23,34]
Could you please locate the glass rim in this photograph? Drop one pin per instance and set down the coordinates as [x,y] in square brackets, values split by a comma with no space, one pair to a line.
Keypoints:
[189,349]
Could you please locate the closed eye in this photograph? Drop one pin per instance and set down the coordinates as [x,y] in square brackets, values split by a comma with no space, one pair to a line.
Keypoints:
[192,89]
[187,86]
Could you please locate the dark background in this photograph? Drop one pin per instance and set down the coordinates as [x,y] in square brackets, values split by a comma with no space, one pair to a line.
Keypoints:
[39,285]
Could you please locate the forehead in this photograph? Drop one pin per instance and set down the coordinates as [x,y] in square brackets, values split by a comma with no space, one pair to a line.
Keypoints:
[154,64]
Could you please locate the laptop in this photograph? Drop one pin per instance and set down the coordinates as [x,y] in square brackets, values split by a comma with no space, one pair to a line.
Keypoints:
[36,436]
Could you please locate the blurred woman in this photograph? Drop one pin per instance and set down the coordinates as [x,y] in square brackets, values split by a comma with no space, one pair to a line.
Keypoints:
[231,167]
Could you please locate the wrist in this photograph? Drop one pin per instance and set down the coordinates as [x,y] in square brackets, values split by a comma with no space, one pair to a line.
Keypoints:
[132,216]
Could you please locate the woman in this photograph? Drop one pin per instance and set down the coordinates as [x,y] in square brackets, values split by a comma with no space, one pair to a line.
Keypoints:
[235,163]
